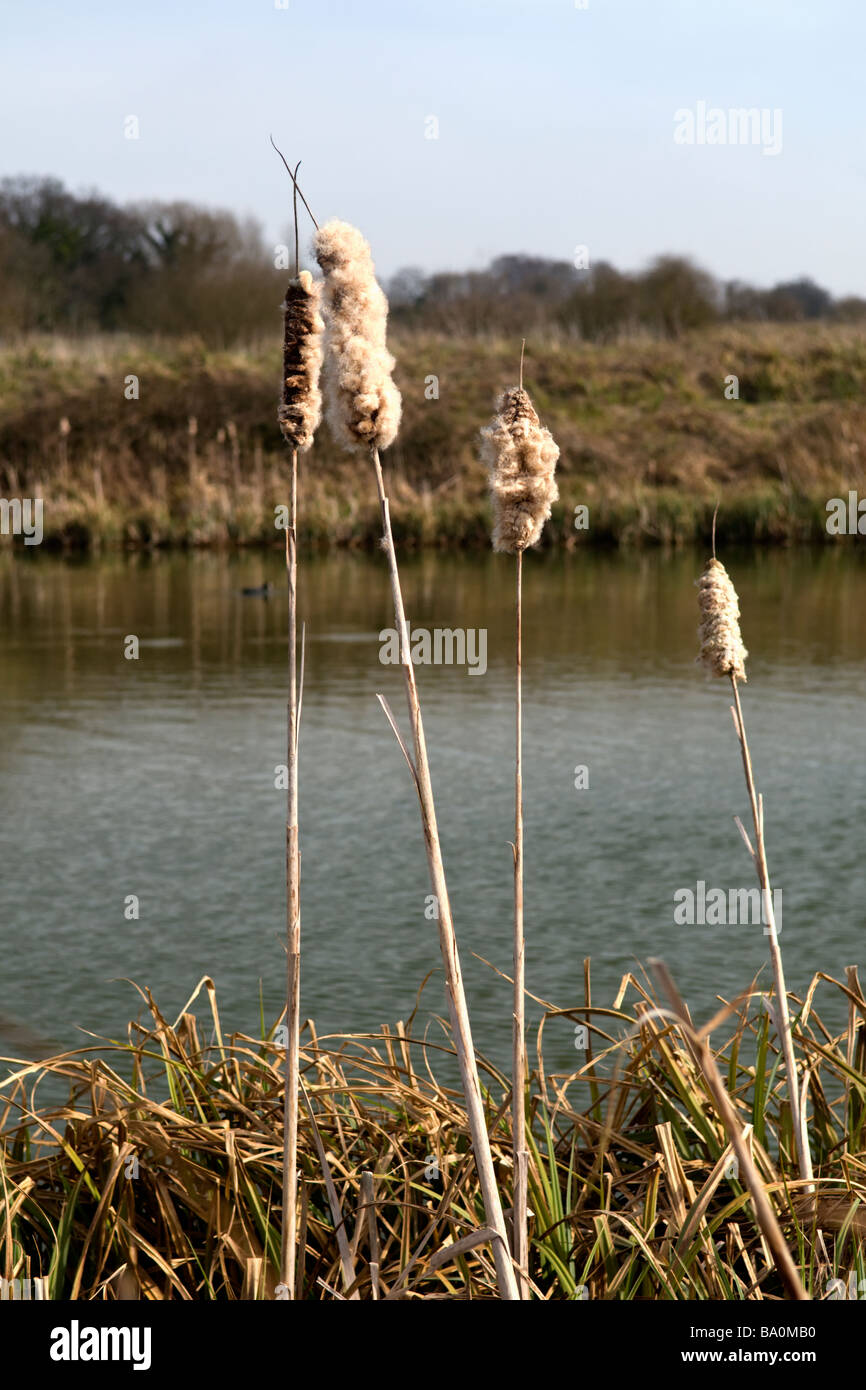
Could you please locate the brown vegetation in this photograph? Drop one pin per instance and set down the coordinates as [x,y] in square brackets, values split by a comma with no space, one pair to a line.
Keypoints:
[648,440]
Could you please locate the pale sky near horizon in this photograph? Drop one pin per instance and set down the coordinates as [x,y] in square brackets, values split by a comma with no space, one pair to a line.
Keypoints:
[555,123]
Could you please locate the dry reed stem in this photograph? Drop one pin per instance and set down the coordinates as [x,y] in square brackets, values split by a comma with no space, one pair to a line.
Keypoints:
[299,416]
[368,1201]
[293,915]
[364,412]
[699,1048]
[346,1261]
[456,995]
[520,1220]
[723,653]
[759,858]
[521,457]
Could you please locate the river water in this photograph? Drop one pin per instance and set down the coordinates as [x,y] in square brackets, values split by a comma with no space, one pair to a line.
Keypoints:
[155,777]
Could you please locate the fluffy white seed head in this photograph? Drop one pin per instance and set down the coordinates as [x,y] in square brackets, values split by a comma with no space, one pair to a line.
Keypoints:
[521,456]
[722,650]
[363,404]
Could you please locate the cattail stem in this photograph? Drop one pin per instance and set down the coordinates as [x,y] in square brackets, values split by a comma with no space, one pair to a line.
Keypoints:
[520,1153]
[458,1011]
[521,458]
[293,916]
[759,855]
[298,416]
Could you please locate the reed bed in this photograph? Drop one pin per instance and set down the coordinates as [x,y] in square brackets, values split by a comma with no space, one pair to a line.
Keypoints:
[632,1190]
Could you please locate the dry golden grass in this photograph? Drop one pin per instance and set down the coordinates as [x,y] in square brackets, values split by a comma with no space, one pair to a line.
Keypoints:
[648,441]
[631,1188]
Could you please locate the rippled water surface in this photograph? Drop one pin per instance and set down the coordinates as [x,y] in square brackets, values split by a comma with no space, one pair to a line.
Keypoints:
[155,777]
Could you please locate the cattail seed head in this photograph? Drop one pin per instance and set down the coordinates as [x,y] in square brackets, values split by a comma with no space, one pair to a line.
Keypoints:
[722,650]
[521,457]
[364,405]
[300,411]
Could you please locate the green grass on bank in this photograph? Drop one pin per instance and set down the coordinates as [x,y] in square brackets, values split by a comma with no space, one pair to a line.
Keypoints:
[649,441]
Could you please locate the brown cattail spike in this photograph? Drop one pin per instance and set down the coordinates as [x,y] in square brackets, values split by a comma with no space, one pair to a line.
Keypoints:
[301,409]
[521,457]
[363,403]
[722,650]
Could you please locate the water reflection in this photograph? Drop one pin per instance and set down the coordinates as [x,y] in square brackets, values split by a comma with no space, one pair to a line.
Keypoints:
[155,777]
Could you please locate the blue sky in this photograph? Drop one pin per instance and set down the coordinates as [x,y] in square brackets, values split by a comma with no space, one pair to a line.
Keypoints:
[556,124]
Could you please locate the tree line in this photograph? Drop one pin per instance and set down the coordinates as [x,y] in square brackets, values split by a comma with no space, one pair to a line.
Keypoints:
[599,302]
[76,263]
[71,263]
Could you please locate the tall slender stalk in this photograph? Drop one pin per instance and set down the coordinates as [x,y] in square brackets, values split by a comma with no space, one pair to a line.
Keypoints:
[458,1011]
[299,416]
[293,885]
[365,407]
[520,1153]
[521,458]
[723,653]
[759,856]
[293,915]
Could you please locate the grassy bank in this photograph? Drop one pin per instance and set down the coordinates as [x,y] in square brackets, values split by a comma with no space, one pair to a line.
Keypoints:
[649,441]
[160,1178]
